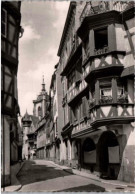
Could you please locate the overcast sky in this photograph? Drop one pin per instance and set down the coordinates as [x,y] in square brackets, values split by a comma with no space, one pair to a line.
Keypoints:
[43,23]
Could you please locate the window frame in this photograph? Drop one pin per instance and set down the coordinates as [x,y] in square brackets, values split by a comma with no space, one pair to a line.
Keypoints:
[101,29]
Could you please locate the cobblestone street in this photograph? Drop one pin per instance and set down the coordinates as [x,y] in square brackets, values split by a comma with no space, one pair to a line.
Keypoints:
[42,175]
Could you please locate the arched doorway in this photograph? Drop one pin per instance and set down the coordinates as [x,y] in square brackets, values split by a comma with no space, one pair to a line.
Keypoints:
[89,153]
[108,155]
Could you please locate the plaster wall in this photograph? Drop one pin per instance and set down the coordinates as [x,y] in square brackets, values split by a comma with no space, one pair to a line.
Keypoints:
[62,151]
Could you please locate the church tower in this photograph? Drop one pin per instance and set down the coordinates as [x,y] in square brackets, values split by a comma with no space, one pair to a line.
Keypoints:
[41,103]
[26,123]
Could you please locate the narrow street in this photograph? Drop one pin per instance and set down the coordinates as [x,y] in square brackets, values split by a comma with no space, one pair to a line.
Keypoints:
[39,175]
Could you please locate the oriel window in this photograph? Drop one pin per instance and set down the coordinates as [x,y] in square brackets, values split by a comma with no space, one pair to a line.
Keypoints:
[101,38]
[4,23]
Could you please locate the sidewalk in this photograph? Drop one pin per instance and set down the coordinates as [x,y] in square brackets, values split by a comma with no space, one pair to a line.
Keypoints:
[116,183]
[15,184]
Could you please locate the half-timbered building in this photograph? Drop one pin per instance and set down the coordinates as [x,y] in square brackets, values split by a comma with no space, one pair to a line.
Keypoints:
[10,33]
[97,68]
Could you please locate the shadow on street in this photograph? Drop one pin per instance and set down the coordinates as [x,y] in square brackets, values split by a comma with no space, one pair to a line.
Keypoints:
[32,172]
[85,188]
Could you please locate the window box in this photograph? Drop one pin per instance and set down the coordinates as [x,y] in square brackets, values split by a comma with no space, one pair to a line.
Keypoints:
[122,98]
[106,99]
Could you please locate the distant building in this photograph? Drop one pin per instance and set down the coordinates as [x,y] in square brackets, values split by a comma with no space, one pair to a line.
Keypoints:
[57,117]
[97,68]
[29,125]
[40,110]
[10,33]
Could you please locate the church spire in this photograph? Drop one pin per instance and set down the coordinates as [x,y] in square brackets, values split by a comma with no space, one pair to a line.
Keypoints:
[43,84]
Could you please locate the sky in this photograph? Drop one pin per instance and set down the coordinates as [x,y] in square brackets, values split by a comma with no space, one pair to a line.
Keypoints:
[43,23]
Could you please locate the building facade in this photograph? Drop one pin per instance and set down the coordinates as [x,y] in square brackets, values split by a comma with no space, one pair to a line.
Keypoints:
[29,126]
[97,68]
[57,117]
[10,33]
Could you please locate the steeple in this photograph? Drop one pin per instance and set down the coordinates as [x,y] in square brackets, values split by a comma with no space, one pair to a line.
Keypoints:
[26,117]
[43,84]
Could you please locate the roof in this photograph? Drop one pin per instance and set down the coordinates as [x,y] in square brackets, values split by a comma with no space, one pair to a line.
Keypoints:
[26,117]
[31,118]
[67,23]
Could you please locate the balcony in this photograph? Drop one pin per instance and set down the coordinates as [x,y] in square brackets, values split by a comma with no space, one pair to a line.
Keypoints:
[80,127]
[103,6]
[104,65]
[76,91]
[106,112]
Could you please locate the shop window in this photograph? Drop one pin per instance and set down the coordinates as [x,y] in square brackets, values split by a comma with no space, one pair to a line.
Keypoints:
[4,23]
[101,39]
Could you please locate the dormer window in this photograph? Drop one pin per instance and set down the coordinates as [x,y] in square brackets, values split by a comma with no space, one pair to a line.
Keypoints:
[4,23]
[101,39]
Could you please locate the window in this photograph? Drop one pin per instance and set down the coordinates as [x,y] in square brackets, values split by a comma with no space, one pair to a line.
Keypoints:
[39,111]
[4,23]
[120,90]
[101,38]
[105,92]
[122,95]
